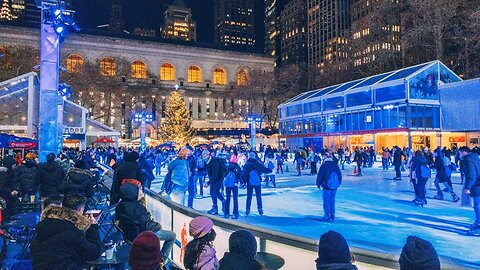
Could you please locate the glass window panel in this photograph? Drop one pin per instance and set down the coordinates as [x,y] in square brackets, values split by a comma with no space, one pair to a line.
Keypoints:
[167,72]
[425,84]
[294,110]
[372,80]
[108,67]
[368,120]
[360,98]
[378,119]
[402,117]
[404,73]
[242,78]
[333,103]
[194,74]
[346,86]
[301,96]
[311,107]
[349,122]
[394,92]
[139,70]
[219,76]
[74,63]
[447,76]
[323,91]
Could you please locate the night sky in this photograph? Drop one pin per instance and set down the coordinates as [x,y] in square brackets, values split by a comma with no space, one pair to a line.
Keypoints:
[149,14]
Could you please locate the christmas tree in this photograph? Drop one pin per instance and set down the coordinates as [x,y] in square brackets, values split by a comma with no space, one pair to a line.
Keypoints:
[177,125]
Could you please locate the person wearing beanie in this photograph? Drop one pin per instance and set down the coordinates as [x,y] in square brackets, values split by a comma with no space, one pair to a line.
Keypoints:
[329,178]
[251,175]
[79,180]
[145,253]
[231,183]
[50,176]
[334,253]
[215,171]
[242,253]
[24,181]
[200,253]
[127,170]
[418,254]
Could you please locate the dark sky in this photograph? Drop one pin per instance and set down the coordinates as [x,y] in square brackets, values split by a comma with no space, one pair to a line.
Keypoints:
[149,13]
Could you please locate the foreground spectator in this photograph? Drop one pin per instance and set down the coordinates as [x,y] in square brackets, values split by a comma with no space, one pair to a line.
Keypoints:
[199,253]
[418,254]
[50,177]
[79,180]
[65,239]
[334,253]
[145,253]
[242,247]
[127,170]
[134,218]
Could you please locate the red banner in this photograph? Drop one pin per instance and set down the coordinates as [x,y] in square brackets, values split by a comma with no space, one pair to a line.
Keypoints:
[22,145]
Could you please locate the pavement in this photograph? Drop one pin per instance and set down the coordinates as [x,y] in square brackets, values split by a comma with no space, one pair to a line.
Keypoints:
[372,211]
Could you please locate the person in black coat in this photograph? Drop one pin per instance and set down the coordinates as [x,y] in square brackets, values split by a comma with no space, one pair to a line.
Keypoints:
[251,175]
[242,252]
[128,170]
[65,239]
[418,180]
[50,177]
[472,184]
[79,180]
[134,218]
[328,168]
[397,162]
[25,179]
[216,172]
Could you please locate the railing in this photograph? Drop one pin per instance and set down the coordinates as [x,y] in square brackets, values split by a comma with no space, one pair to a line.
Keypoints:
[298,252]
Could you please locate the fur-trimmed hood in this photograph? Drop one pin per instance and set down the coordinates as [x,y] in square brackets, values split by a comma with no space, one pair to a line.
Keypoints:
[80,171]
[66,214]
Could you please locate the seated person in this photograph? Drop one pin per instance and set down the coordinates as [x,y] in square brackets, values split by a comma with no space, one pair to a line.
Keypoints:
[54,200]
[242,247]
[334,252]
[65,239]
[145,253]
[133,218]
[418,254]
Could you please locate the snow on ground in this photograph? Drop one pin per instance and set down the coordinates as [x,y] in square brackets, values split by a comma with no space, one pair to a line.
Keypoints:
[372,211]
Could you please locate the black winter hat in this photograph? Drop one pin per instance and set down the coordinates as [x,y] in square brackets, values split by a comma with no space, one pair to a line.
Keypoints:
[244,243]
[333,248]
[418,254]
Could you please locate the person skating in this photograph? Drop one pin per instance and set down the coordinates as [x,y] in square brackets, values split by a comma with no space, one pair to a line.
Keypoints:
[472,184]
[231,183]
[420,172]
[179,174]
[251,175]
[129,169]
[397,162]
[216,172]
[442,176]
[329,179]
[358,158]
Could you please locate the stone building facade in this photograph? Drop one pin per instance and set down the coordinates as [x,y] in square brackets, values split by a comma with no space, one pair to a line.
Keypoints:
[208,78]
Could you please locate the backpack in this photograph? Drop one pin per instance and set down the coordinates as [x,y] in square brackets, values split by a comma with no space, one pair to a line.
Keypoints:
[270,165]
[316,159]
[453,167]
[333,181]
[230,180]
[200,163]
[425,171]
[254,178]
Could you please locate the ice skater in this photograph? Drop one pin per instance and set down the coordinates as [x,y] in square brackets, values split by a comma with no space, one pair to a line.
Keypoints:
[472,184]
[329,179]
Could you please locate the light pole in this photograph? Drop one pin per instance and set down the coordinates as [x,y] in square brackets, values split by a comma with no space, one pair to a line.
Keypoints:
[55,20]
[143,118]
[252,121]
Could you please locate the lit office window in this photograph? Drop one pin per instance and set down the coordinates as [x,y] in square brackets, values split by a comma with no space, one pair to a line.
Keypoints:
[167,72]
[219,76]
[74,63]
[139,70]
[194,74]
[108,67]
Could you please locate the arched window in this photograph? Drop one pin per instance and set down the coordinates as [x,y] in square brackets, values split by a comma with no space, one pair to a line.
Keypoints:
[167,72]
[219,76]
[139,70]
[74,63]
[242,78]
[194,74]
[108,67]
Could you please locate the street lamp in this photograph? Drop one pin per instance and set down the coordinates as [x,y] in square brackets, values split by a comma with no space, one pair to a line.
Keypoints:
[253,121]
[143,118]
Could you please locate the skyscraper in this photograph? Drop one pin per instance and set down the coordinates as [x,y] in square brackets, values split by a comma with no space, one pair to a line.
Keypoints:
[272,29]
[376,35]
[234,23]
[18,9]
[329,26]
[178,22]
[116,23]
[293,33]
[5,11]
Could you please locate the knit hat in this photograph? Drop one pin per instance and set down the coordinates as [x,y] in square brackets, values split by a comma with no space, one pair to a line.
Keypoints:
[184,152]
[30,156]
[200,226]
[243,242]
[419,254]
[145,253]
[233,159]
[333,248]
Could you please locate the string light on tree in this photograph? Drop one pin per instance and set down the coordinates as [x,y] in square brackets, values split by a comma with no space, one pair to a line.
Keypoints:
[177,125]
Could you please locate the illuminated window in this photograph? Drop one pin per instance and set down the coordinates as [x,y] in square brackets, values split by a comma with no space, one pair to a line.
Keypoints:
[108,67]
[194,74]
[74,63]
[167,72]
[139,70]
[219,76]
[242,78]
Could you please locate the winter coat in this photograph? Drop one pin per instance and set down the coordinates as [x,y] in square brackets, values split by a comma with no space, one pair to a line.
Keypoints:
[128,170]
[417,163]
[328,167]
[253,165]
[133,217]
[440,167]
[79,181]
[64,240]
[397,157]
[215,170]
[50,177]
[336,266]
[207,260]
[25,176]
[180,172]
[472,174]
[233,261]
[235,169]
